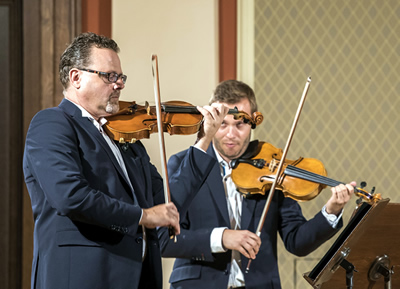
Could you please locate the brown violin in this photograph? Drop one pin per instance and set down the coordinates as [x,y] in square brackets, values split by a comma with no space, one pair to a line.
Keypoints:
[134,122]
[302,179]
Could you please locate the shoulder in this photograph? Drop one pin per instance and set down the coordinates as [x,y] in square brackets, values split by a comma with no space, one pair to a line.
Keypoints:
[51,121]
[176,160]
[56,114]
[191,154]
[48,116]
[180,155]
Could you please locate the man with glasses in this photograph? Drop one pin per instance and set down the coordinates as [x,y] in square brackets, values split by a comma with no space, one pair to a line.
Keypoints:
[96,203]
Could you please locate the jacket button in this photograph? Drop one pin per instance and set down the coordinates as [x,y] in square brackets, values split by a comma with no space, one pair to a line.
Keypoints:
[139,240]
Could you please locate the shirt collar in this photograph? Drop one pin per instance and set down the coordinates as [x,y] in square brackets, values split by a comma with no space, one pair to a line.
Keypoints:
[225,165]
[85,113]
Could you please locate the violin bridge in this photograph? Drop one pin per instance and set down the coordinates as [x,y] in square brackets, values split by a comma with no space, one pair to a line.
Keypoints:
[272,165]
[146,104]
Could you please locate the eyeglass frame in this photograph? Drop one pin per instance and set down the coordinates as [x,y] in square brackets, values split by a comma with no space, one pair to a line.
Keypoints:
[107,74]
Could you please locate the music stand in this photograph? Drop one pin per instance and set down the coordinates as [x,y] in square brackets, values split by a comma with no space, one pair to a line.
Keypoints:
[343,251]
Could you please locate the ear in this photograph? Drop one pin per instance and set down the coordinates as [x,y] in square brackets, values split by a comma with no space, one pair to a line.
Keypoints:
[75,77]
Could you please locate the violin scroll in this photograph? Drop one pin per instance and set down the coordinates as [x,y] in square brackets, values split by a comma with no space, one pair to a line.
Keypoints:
[253,120]
[365,196]
[258,118]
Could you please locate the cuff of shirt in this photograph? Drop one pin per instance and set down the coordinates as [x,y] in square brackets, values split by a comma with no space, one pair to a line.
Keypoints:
[332,219]
[141,215]
[216,240]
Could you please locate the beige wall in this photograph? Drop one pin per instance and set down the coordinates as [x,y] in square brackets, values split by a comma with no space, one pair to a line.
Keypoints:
[184,36]
[350,120]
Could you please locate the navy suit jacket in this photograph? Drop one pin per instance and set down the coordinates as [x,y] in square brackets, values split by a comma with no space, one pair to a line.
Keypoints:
[197,267]
[86,216]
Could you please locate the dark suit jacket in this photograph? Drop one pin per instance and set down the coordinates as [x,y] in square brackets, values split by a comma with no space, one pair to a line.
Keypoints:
[197,267]
[86,216]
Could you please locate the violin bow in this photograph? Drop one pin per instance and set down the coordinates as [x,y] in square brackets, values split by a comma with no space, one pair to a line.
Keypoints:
[167,194]
[279,170]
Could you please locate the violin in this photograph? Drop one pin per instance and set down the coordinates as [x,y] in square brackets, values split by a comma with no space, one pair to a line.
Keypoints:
[302,179]
[134,122]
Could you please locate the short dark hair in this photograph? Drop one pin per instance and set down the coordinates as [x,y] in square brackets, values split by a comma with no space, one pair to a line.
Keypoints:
[78,53]
[232,91]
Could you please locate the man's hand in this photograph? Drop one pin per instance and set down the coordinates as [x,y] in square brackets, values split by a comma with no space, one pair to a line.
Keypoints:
[213,118]
[246,242]
[165,215]
[341,194]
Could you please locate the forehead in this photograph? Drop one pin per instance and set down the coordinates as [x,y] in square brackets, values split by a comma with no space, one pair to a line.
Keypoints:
[105,59]
[242,105]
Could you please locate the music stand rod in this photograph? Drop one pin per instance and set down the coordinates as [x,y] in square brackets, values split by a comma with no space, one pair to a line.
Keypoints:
[349,267]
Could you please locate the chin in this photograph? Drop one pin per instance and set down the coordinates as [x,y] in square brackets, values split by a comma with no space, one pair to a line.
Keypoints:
[112,108]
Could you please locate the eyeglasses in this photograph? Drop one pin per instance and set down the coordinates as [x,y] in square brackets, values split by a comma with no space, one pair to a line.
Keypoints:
[112,77]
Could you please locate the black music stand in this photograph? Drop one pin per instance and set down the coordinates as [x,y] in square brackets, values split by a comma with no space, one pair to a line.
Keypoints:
[355,252]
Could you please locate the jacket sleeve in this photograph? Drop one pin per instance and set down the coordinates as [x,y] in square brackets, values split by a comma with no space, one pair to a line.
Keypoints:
[300,236]
[187,172]
[191,244]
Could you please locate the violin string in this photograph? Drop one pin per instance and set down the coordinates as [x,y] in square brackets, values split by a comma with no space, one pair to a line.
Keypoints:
[310,176]
[314,177]
[170,108]
[180,109]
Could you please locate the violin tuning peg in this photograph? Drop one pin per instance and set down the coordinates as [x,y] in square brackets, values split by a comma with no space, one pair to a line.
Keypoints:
[363,185]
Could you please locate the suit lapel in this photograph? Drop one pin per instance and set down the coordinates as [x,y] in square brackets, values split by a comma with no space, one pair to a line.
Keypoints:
[75,114]
[248,206]
[216,188]
[135,167]
[215,184]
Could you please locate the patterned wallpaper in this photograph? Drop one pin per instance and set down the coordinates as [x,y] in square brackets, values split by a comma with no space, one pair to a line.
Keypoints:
[350,120]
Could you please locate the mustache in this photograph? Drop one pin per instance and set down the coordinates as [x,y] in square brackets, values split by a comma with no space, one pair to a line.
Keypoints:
[114,95]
